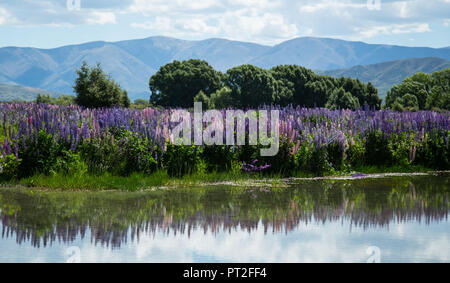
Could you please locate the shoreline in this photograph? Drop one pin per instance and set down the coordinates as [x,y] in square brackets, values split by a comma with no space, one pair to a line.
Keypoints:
[244,182]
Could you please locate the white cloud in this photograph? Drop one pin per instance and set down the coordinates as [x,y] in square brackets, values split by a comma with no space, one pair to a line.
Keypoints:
[395,29]
[5,17]
[264,21]
[101,18]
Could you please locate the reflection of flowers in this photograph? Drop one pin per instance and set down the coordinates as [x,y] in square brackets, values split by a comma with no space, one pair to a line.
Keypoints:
[68,216]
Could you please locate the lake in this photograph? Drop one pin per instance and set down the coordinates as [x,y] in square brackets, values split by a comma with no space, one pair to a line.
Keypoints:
[394,219]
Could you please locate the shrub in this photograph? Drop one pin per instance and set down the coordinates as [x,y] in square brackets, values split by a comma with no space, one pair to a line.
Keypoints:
[335,156]
[9,167]
[218,158]
[377,149]
[135,154]
[181,160]
[69,164]
[39,154]
[318,162]
[100,154]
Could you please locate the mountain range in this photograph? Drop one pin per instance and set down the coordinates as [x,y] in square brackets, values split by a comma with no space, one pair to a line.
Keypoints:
[132,62]
[385,75]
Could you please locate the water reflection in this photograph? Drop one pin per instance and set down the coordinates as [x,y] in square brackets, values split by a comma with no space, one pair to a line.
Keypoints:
[112,219]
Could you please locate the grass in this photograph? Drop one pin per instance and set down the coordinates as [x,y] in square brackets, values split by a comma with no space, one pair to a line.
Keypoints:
[137,181]
[161,179]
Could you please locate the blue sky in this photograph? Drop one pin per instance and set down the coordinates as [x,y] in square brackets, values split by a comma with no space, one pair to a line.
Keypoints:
[53,23]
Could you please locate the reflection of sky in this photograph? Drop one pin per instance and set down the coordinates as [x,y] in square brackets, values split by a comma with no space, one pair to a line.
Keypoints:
[332,242]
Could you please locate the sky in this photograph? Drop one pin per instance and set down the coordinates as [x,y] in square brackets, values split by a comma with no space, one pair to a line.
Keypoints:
[54,23]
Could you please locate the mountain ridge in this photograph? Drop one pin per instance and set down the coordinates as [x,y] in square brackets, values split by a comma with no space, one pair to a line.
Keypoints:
[387,74]
[132,62]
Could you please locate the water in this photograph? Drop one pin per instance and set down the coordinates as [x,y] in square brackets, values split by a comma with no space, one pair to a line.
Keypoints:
[401,219]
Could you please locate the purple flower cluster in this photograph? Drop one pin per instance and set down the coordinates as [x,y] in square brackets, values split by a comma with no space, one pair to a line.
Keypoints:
[74,124]
[253,168]
[316,127]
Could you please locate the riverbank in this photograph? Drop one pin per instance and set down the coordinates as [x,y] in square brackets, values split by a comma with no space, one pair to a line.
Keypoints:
[161,180]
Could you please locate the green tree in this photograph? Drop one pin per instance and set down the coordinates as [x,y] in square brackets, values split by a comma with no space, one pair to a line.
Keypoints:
[409,102]
[45,99]
[201,97]
[64,100]
[439,96]
[95,89]
[341,99]
[303,86]
[418,85]
[221,99]
[251,86]
[140,103]
[366,94]
[177,83]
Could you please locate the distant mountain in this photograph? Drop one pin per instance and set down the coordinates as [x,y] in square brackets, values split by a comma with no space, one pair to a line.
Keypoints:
[21,93]
[328,54]
[385,75]
[132,62]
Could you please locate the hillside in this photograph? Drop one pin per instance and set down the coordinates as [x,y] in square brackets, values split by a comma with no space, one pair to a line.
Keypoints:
[132,62]
[328,54]
[385,75]
[21,93]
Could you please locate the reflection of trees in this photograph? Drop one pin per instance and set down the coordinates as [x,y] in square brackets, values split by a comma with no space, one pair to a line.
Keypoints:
[114,218]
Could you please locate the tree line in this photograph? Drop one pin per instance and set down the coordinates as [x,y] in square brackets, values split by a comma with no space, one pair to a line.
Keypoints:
[421,92]
[180,83]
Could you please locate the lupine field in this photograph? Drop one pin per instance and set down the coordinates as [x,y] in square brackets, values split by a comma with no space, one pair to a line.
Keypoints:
[46,139]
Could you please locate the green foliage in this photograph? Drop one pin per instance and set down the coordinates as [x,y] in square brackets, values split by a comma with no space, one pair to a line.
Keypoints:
[95,89]
[63,100]
[136,154]
[365,94]
[409,102]
[305,87]
[377,149]
[39,155]
[201,97]
[45,98]
[218,157]
[439,96]
[318,162]
[335,156]
[340,99]
[251,86]
[402,149]
[177,83]
[434,151]
[121,153]
[421,92]
[182,160]
[236,168]
[100,155]
[140,104]
[283,163]
[355,154]
[69,163]
[221,99]
[9,167]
